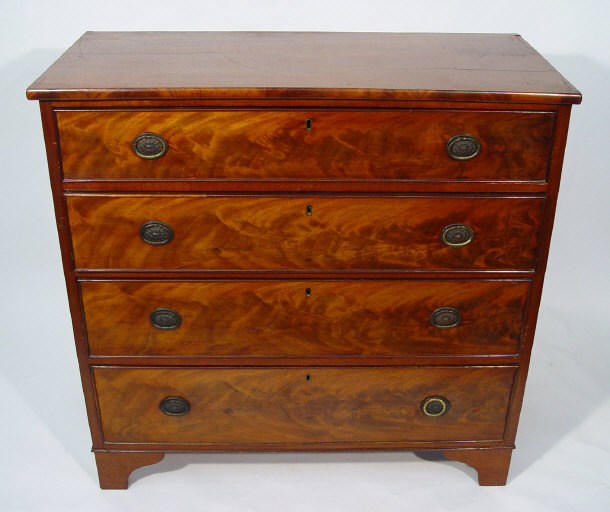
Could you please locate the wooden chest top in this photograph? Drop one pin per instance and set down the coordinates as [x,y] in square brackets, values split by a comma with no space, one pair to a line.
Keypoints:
[410,66]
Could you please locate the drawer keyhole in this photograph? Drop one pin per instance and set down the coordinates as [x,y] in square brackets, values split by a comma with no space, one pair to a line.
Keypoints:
[307,292]
[309,209]
[308,123]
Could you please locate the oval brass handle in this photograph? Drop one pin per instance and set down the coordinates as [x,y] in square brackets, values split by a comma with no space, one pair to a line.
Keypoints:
[155,232]
[435,406]
[463,147]
[174,406]
[445,318]
[149,145]
[165,319]
[457,235]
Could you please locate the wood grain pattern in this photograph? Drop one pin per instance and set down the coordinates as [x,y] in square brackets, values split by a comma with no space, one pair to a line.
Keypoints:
[114,468]
[285,405]
[372,98]
[537,285]
[176,65]
[276,318]
[492,464]
[306,186]
[65,244]
[276,145]
[275,233]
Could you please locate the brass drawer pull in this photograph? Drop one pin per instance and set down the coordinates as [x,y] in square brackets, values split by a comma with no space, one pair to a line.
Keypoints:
[463,147]
[165,319]
[445,318]
[435,406]
[174,406]
[155,232]
[149,146]
[457,235]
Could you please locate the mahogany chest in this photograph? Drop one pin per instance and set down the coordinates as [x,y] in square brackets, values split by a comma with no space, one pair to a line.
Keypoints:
[303,241]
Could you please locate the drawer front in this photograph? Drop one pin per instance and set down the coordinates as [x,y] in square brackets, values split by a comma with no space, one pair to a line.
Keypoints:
[288,405]
[287,233]
[305,145]
[305,318]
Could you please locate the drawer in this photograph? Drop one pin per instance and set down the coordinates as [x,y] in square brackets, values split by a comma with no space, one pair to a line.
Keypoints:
[304,318]
[303,145]
[319,233]
[292,405]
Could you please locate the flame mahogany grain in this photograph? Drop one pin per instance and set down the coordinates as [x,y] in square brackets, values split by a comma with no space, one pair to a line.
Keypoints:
[275,145]
[274,233]
[275,318]
[292,405]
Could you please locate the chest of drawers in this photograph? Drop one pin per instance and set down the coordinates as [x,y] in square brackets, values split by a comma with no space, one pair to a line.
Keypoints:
[303,241]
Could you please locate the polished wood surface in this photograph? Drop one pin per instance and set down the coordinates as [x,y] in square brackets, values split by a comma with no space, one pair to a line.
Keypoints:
[244,248]
[491,464]
[251,233]
[284,405]
[277,318]
[63,231]
[173,65]
[277,144]
[555,167]
[114,468]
